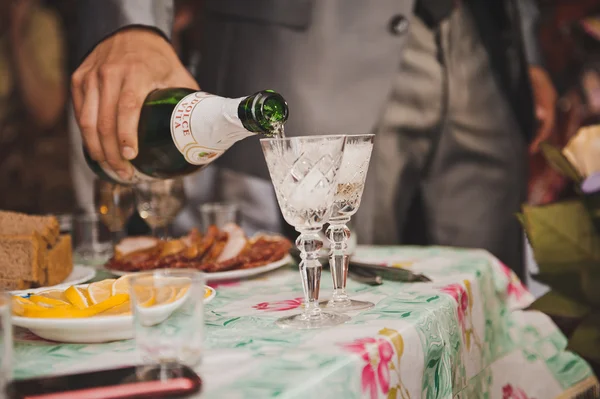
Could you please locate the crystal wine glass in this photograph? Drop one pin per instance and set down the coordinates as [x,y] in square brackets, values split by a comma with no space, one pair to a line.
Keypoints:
[115,204]
[350,185]
[158,202]
[304,173]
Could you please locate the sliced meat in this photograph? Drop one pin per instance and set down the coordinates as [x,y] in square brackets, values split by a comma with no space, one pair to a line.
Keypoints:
[217,248]
[260,252]
[130,245]
[206,242]
[193,238]
[172,247]
[215,251]
[235,244]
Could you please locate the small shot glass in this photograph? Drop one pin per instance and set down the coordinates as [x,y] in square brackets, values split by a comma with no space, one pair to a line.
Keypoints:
[168,314]
[91,239]
[219,214]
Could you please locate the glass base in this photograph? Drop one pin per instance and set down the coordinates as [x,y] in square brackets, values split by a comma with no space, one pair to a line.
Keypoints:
[160,371]
[346,306]
[302,322]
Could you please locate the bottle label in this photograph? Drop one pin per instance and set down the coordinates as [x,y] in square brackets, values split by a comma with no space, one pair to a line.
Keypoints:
[137,177]
[204,126]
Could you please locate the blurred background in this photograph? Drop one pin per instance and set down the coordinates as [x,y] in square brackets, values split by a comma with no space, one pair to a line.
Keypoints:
[34,75]
[36,58]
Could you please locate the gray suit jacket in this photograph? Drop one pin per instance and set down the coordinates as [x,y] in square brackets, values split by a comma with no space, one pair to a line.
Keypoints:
[333,61]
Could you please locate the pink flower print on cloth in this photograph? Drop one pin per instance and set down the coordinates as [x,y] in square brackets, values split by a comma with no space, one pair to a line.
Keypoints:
[377,354]
[458,292]
[463,296]
[279,306]
[509,392]
[515,287]
[516,294]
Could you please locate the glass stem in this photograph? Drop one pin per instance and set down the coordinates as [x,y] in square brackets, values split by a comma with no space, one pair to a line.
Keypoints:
[117,236]
[338,234]
[161,232]
[309,243]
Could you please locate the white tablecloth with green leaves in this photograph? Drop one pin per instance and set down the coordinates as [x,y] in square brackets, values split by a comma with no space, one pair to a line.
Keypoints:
[464,335]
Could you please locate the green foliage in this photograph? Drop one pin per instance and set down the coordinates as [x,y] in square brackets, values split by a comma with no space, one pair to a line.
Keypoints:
[566,246]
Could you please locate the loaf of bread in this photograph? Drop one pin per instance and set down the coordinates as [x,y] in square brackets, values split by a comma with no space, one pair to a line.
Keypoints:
[32,251]
[60,261]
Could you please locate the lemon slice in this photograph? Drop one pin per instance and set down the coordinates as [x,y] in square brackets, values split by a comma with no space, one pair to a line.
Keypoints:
[119,310]
[20,304]
[100,291]
[182,292]
[207,292]
[77,297]
[73,312]
[54,294]
[121,285]
[51,302]
[165,295]
[145,296]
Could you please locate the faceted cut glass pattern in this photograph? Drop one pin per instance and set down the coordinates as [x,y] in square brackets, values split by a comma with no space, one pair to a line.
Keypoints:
[304,175]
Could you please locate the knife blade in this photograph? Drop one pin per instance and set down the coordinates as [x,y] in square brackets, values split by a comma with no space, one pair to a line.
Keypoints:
[390,273]
[365,276]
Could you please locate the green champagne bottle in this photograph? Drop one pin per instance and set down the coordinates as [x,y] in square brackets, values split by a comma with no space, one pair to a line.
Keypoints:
[181,130]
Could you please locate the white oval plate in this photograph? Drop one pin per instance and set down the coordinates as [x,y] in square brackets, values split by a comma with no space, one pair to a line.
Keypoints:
[97,329]
[80,274]
[231,274]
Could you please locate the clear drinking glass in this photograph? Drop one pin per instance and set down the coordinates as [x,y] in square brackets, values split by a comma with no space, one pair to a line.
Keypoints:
[115,204]
[350,185]
[158,202]
[6,341]
[219,214]
[304,173]
[168,312]
[91,239]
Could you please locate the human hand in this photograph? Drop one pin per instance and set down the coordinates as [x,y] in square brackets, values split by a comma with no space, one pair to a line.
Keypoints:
[109,89]
[545,97]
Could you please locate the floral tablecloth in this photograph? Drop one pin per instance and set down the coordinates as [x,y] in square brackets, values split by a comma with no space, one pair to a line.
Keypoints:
[464,336]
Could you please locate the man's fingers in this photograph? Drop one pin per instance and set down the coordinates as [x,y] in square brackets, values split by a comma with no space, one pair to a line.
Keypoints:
[111,80]
[87,117]
[131,99]
[546,120]
[78,85]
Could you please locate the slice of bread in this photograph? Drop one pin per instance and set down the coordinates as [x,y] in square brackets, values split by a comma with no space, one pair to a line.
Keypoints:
[14,223]
[14,285]
[29,245]
[20,260]
[60,261]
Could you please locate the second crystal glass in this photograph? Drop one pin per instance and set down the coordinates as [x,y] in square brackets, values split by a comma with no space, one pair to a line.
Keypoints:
[304,173]
[351,182]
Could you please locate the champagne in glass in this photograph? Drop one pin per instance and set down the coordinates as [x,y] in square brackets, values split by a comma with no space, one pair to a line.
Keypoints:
[350,186]
[304,174]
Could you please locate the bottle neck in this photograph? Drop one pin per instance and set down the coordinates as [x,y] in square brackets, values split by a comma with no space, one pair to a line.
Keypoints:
[264,112]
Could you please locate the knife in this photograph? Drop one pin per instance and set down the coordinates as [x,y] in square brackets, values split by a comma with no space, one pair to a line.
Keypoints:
[365,276]
[389,273]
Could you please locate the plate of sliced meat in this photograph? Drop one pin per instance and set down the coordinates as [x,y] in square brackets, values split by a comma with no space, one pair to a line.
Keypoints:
[223,254]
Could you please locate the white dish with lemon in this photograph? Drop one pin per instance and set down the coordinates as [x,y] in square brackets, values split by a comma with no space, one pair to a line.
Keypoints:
[93,313]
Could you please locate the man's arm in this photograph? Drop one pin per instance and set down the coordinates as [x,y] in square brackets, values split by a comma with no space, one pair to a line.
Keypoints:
[100,19]
[127,56]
